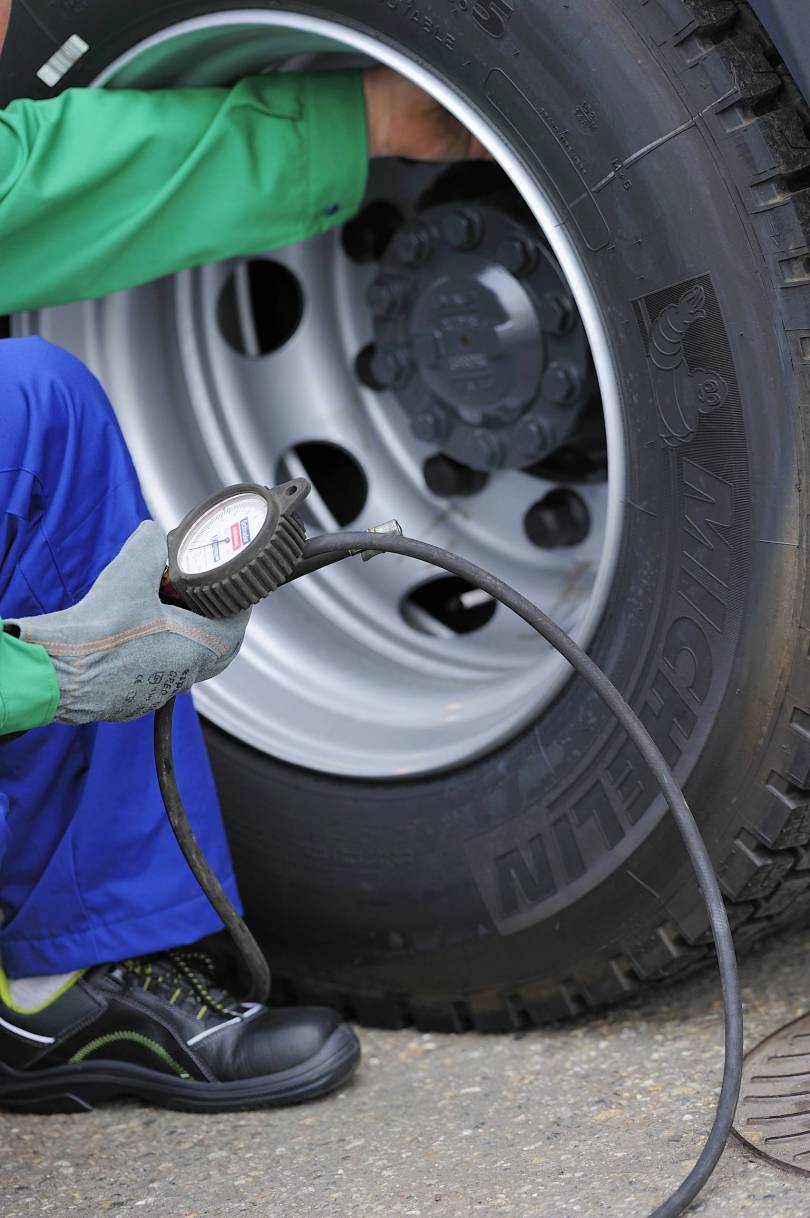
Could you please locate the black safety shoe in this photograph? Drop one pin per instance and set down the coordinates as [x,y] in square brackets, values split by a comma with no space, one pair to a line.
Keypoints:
[158,1029]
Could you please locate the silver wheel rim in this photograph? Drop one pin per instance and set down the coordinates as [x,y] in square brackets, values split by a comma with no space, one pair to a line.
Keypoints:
[333,677]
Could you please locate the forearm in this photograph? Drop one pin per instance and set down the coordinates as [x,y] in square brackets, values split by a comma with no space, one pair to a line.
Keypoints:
[103,190]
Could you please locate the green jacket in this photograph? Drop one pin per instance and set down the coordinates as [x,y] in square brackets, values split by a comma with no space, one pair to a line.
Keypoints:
[101,191]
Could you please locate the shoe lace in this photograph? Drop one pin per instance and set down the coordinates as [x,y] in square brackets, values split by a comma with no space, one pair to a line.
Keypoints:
[188,972]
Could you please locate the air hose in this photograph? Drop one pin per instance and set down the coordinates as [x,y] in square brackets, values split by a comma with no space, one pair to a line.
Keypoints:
[322,551]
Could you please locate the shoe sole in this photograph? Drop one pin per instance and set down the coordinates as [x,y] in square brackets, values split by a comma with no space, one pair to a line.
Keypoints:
[81,1088]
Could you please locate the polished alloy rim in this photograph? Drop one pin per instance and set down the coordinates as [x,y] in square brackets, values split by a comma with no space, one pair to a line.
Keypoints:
[371,670]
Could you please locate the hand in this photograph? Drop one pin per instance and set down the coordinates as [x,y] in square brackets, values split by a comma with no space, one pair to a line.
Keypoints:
[403,120]
[121,653]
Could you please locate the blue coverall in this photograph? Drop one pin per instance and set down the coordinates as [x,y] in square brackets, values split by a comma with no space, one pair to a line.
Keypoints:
[89,869]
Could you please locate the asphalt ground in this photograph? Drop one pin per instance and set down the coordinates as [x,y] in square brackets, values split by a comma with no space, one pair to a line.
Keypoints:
[600,1118]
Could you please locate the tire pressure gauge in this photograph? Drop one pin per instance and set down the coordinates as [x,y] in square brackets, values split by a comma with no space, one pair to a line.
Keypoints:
[236,548]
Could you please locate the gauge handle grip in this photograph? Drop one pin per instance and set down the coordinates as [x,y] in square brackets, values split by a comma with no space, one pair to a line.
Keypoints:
[169,594]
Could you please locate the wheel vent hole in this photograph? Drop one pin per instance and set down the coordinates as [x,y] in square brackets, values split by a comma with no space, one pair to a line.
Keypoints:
[560,518]
[446,606]
[260,307]
[335,476]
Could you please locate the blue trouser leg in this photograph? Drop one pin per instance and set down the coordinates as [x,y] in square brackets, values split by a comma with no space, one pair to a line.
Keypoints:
[89,871]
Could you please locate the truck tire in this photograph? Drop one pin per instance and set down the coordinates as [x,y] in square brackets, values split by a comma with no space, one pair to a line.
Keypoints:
[545,878]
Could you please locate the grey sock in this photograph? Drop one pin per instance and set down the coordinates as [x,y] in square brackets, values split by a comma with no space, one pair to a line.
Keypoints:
[31,993]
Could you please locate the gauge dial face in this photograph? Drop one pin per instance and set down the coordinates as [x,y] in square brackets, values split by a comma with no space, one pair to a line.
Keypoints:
[224,532]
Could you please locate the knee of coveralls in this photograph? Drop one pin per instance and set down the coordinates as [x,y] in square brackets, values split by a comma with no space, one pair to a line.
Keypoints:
[90,870]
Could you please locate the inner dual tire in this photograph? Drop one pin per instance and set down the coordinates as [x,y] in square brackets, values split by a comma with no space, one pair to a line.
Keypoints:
[664,150]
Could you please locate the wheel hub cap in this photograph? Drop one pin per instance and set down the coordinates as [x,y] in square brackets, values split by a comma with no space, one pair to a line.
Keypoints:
[478,339]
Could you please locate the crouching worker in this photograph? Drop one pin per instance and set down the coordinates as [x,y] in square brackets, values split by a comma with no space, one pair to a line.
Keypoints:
[96,995]
[99,191]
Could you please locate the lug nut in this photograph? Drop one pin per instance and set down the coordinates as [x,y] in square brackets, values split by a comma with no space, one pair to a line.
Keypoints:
[530,440]
[555,313]
[364,368]
[463,229]
[518,255]
[560,519]
[560,384]
[391,366]
[387,297]
[488,448]
[414,245]
[429,426]
[448,478]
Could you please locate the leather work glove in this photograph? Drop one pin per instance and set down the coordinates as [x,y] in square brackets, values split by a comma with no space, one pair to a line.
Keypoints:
[120,652]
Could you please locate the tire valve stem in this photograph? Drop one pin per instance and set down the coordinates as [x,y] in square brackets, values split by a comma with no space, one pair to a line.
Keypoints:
[391,527]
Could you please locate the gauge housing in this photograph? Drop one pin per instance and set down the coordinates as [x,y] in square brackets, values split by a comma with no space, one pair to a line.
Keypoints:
[259,566]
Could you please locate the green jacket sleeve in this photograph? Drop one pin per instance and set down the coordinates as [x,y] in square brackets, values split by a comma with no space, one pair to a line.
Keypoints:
[102,190]
[29,690]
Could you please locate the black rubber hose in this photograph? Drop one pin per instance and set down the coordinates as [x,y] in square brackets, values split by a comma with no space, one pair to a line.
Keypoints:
[248,948]
[332,547]
[685,1193]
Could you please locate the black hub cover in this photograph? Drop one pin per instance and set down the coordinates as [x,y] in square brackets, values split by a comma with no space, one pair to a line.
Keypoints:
[478,337]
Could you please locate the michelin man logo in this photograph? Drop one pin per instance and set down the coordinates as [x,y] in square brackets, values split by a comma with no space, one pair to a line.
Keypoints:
[683,393]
